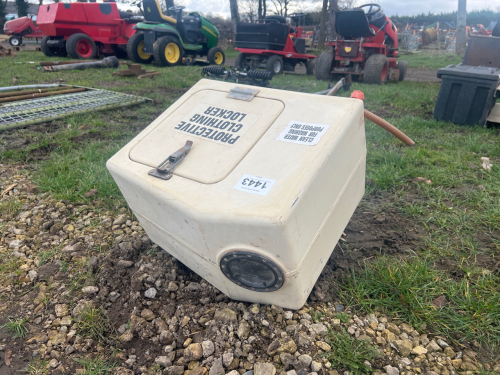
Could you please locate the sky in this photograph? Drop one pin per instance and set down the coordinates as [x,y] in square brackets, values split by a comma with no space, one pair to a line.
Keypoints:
[391,7]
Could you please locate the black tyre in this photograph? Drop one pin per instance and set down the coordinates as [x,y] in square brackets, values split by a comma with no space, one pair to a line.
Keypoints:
[274,64]
[135,49]
[168,51]
[15,41]
[310,67]
[81,46]
[403,67]
[323,66]
[241,62]
[47,51]
[51,51]
[376,70]
[216,56]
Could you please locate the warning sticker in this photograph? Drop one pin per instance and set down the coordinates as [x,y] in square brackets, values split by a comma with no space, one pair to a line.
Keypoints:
[303,133]
[254,185]
[216,124]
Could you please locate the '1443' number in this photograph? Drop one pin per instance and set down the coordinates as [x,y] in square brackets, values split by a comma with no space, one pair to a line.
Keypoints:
[254,183]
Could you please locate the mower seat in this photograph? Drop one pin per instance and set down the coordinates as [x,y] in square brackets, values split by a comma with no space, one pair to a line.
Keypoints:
[377,20]
[153,13]
[353,24]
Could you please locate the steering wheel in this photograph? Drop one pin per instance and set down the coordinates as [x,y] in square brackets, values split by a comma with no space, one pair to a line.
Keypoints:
[371,12]
[176,8]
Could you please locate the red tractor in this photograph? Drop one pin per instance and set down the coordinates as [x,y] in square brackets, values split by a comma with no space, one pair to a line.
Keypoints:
[20,28]
[85,30]
[273,45]
[368,49]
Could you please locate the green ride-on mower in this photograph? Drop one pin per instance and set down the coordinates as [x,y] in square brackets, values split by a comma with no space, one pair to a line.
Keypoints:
[168,39]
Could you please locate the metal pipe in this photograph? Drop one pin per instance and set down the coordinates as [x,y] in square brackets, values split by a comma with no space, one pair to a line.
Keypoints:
[31,96]
[42,86]
[19,93]
[107,62]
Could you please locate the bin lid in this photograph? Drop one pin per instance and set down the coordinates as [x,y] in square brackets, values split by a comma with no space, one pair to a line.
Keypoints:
[467,71]
[223,130]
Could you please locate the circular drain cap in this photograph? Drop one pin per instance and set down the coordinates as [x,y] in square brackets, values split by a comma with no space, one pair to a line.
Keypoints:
[252,271]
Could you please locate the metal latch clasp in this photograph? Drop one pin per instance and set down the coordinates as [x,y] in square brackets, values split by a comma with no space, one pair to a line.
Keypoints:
[165,168]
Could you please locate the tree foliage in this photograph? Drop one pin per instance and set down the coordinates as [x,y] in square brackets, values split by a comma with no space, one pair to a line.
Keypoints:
[484,17]
[22,8]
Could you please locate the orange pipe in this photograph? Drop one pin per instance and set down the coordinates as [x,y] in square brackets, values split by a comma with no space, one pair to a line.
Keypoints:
[389,127]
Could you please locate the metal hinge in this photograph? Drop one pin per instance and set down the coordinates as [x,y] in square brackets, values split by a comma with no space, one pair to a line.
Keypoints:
[242,94]
[165,168]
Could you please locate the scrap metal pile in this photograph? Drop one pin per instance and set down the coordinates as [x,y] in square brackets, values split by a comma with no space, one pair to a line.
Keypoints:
[34,104]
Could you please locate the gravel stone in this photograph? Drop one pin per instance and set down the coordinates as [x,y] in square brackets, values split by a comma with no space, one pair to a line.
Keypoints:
[217,368]
[264,369]
[226,315]
[208,348]
[193,352]
[90,290]
[151,293]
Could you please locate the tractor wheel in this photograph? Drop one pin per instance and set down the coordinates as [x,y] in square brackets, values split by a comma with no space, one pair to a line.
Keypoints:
[15,40]
[216,56]
[241,62]
[135,49]
[81,46]
[47,51]
[403,67]
[168,51]
[274,64]
[323,66]
[376,70]
[51,51]
[310,67]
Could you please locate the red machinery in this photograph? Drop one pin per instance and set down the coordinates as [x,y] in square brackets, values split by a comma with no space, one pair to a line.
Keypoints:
[20,28]
[273,45]
[368,50]
[84,30]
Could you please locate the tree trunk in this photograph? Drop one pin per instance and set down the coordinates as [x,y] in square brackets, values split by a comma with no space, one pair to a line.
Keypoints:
[461,32]
[264,9]
[334,7]
[322,25]
[235,17]
[259,13]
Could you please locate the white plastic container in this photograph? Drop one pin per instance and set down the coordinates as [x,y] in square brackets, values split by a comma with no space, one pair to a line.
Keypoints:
[261,199]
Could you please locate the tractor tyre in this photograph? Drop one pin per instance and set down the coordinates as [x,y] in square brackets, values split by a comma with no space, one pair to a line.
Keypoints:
[310,67]
[81,46]
[274,64]
[50,51]
[168,51]
[241,62]
[376,70]
[323,66]
[15,41]
[47,51]
[403,67]
[135,49]
[216,56]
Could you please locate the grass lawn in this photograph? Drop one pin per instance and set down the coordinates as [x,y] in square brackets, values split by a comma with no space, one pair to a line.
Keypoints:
[459,210]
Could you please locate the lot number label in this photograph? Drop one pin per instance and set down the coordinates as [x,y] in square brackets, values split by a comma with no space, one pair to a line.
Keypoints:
[254,185]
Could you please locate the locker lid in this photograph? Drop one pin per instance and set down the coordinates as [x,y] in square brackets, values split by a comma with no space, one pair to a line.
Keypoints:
[223,130]
[466,71]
